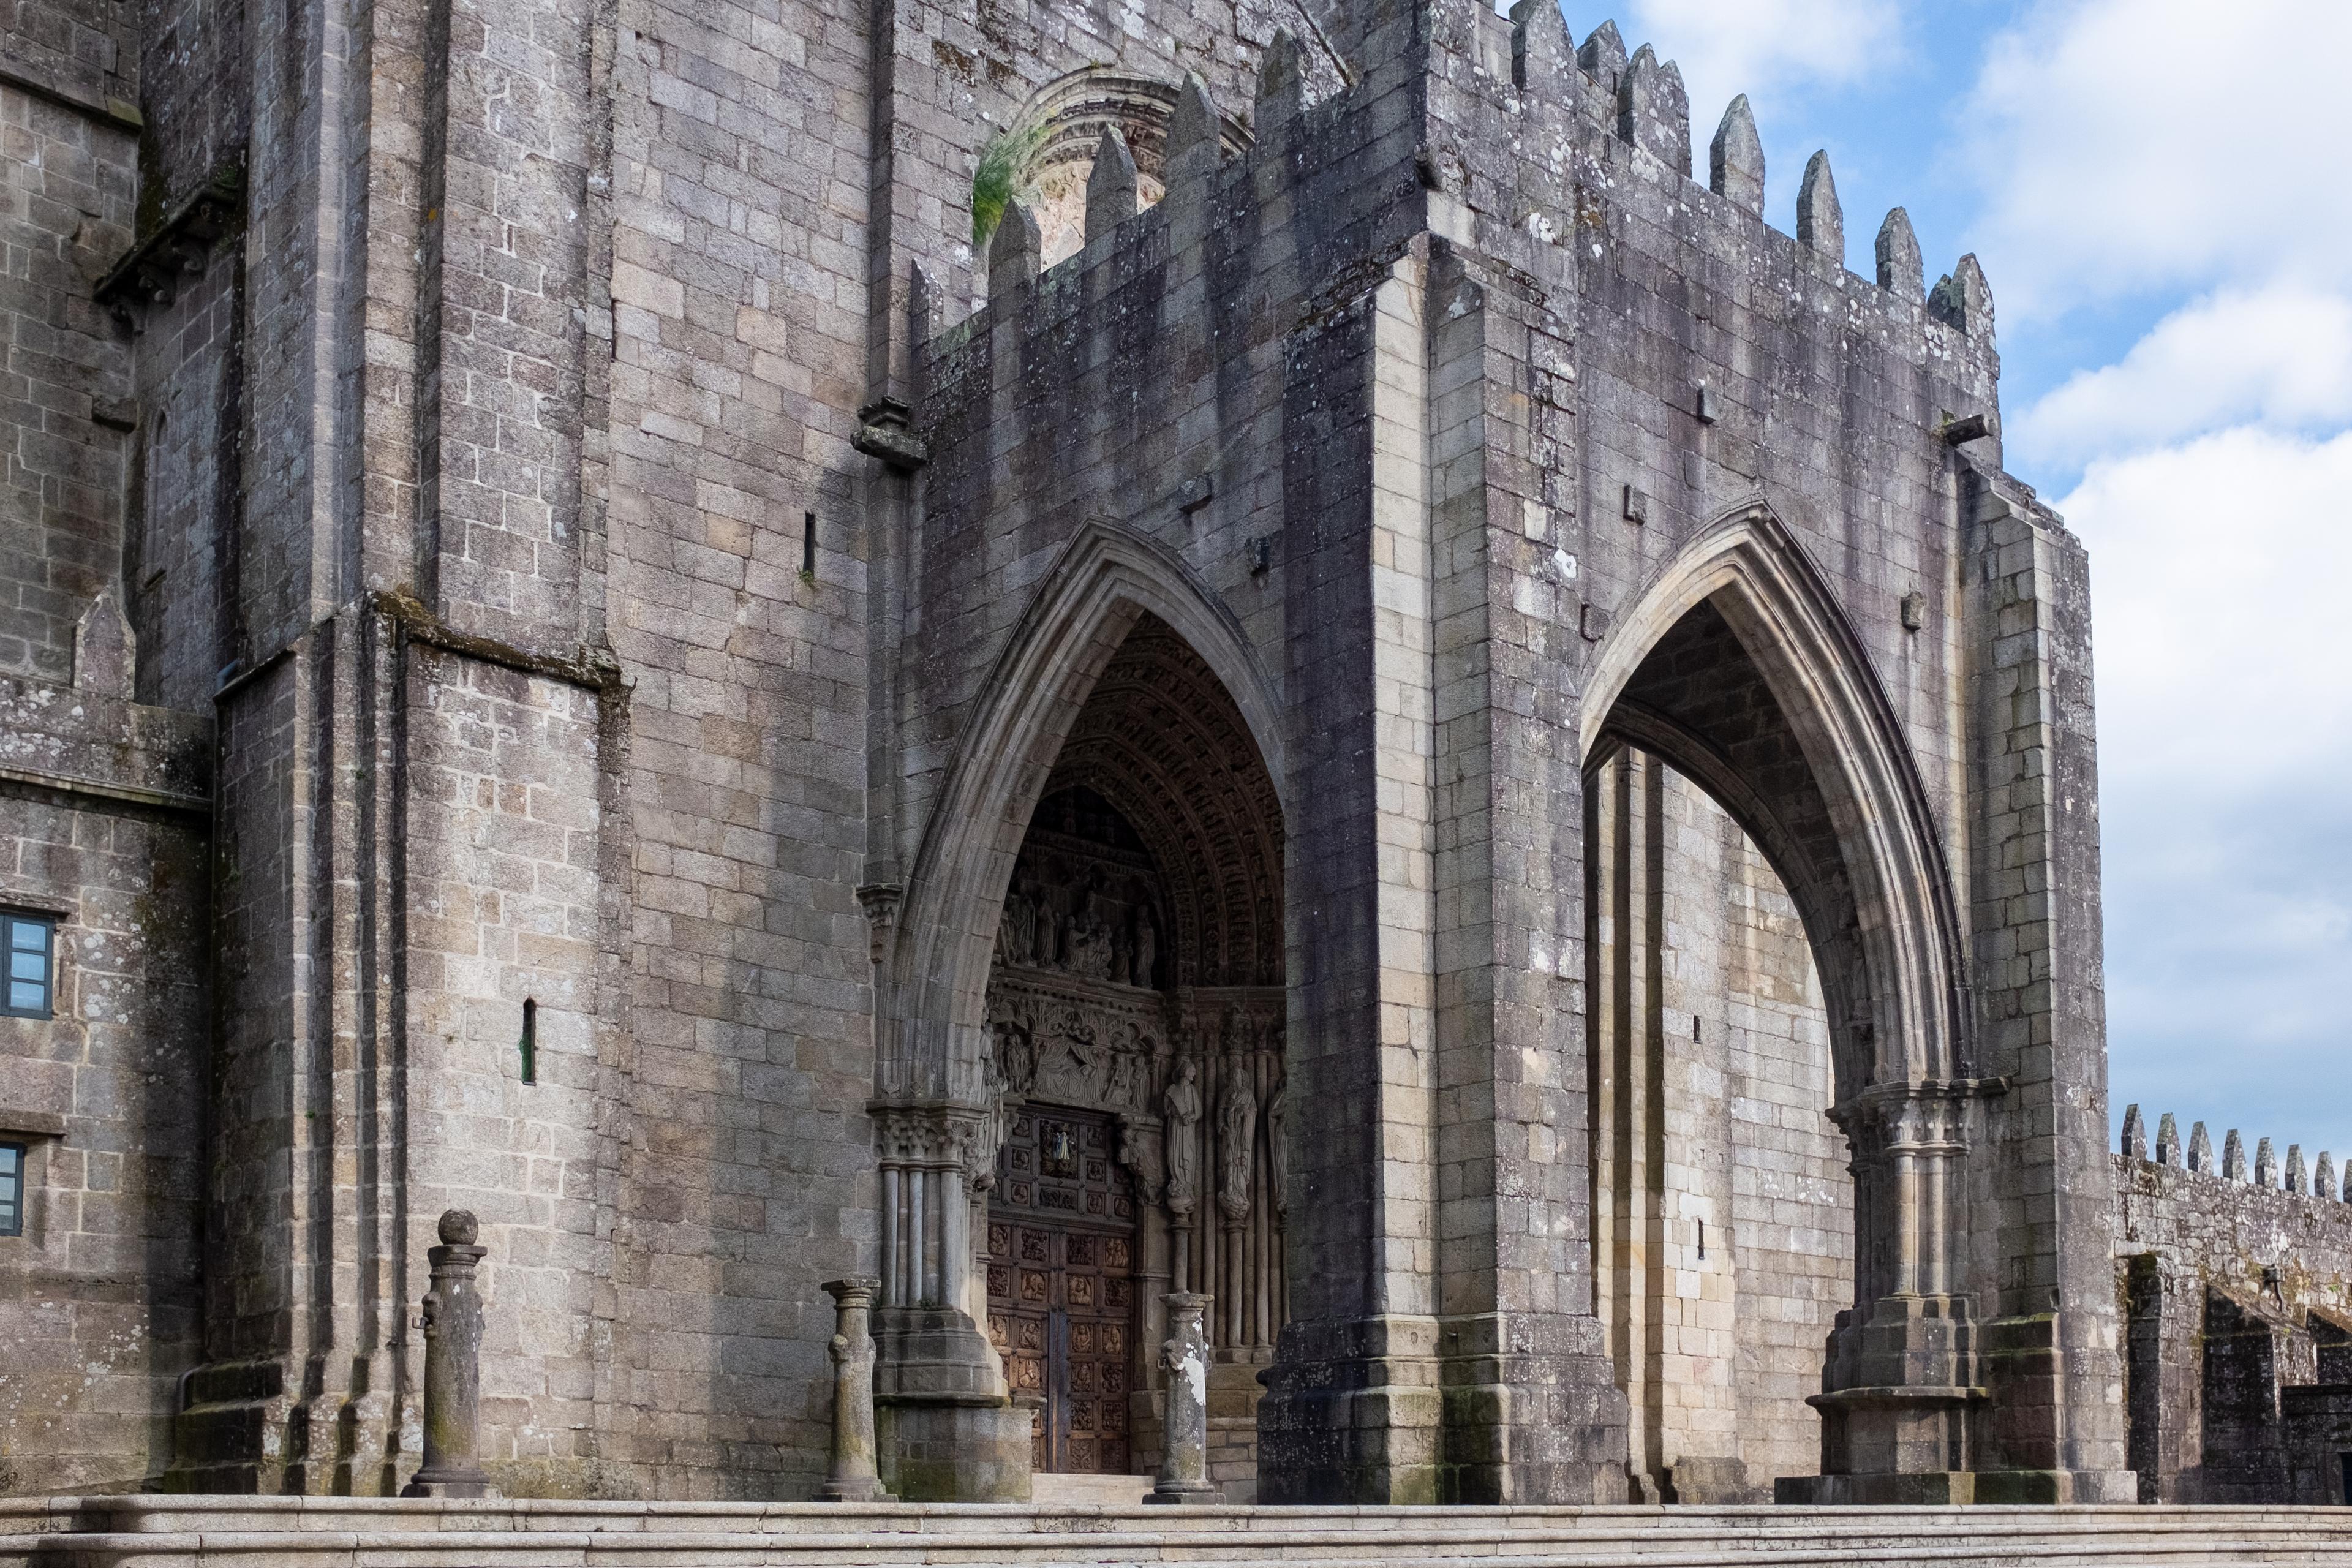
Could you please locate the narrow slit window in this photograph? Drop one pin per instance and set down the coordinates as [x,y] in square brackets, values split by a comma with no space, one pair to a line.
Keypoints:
[808,544]
[32,946]
[1702,1241]
[530,1044]
[12,1189]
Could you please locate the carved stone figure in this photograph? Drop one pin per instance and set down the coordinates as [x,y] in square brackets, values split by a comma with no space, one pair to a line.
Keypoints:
[1016,1057]
[1277,1147]
[1181,1108]
[994,1127]
[1125,1089]
[1236,1134]
[1016,934]
[1139,1150]
[1147,948]
[1087,945]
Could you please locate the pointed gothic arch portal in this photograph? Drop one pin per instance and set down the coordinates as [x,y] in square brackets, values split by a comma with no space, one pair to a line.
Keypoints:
[1136,1012]
[1782,1097]
[1080,1068]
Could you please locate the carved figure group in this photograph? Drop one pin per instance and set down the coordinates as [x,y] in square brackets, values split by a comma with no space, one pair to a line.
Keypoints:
[1103,935]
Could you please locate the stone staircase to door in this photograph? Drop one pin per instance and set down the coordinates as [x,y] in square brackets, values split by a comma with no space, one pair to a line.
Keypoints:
[366,1533]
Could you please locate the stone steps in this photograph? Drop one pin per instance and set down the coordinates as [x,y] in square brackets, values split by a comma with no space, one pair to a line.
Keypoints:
[312,1532]
[1105,1491]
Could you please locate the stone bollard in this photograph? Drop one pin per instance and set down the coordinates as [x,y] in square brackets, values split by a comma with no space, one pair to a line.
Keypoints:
[453,1370]
[852,1478]
[1184,1436]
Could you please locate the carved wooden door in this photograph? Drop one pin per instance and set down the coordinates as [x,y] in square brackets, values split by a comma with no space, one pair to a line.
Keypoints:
[1061,1285]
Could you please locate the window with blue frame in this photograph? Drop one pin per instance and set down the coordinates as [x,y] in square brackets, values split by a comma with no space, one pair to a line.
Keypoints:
[32,949]
[12,1189]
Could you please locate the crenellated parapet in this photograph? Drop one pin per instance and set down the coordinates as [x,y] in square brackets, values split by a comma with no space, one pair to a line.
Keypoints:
[2235,1275]
[1521,80]
[2316,1181]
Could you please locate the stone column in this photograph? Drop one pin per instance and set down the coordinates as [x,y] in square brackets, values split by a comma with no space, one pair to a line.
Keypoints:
[853,1477]
[945,1429]
[1905,1372]
[453,1375]
[1184,1440]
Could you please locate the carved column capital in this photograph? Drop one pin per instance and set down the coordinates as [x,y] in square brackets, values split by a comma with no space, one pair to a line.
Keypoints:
[926,1135]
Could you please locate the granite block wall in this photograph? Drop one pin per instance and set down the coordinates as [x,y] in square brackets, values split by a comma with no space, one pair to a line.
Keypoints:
[104,823]
[68,182]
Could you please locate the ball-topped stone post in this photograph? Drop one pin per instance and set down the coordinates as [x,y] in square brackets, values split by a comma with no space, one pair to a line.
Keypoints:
[851,1476]
[452,1322]
[1184,1441]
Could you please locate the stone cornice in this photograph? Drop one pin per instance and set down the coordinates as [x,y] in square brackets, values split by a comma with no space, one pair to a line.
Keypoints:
[178,248]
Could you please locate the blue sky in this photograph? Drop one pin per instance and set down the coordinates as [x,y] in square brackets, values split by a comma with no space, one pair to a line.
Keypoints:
[2157,192]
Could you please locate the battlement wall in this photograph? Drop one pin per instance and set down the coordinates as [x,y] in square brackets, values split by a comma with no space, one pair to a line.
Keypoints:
[2261,1227]
[1676,354]
[2233,1283]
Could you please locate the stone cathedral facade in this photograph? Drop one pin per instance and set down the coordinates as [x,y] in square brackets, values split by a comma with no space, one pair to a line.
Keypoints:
[1387,705]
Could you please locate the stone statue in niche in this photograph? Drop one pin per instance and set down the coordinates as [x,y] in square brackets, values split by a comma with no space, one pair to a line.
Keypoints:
[1016,933]
[1236,1136]
[1277,1147]
[1130,1070]
[995,1125]
[1181,1108]
[1146,943]
[1016,1057]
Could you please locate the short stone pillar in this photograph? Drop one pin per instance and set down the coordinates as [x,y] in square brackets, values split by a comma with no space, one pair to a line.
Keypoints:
[852,1478]
[453,1368]
[1184,1436]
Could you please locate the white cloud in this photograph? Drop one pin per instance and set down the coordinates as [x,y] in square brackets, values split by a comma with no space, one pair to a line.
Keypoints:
[1762,45]
[2218,573]
[2280,356]
[2129,144]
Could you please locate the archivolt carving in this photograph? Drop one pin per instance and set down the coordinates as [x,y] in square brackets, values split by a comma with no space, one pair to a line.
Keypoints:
[932,1027]
[1163,744]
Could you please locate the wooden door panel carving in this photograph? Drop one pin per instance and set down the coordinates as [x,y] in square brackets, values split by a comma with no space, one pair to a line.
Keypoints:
[1061,1285]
